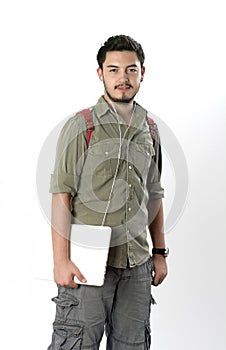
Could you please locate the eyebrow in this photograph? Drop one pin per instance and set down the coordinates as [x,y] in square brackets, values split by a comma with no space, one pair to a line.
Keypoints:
[114,66]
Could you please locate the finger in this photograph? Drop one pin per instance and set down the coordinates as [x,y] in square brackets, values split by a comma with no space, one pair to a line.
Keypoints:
[79,275]
[72,284]
[68,284]
[157,280]
[155,283]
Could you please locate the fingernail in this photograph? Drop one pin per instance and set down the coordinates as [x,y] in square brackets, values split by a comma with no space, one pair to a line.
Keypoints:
[84,280]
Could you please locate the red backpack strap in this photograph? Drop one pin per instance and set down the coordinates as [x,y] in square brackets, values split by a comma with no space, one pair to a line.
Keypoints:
[89,124]
[152,128]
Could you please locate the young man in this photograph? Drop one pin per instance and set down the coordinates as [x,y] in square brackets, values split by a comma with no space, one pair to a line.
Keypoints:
[121,149]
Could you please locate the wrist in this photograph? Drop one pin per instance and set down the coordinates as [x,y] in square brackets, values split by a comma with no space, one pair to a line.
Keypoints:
[160,251]
[60,261]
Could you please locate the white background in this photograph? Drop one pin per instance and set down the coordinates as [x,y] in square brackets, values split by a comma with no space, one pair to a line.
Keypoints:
[48,71]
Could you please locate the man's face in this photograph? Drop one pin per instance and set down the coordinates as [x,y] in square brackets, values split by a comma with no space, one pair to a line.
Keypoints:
[121,75]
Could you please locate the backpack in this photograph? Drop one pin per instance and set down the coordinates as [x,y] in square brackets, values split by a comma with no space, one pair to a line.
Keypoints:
[90,126]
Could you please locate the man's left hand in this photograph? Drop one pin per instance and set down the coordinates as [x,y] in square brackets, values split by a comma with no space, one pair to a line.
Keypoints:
[160,269]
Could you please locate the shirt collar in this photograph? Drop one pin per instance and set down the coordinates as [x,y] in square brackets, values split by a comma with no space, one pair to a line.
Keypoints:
[102,107]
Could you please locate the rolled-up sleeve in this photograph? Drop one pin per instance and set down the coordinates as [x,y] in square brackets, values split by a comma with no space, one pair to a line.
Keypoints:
[63,182]
[69,160]
[154,187]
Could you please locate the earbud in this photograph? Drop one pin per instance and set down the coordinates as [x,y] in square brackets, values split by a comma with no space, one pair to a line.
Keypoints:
[141,79]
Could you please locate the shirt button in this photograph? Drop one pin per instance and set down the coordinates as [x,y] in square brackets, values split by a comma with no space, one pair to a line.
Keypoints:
[129,209]
[106,153]
[130,167]
[130,185]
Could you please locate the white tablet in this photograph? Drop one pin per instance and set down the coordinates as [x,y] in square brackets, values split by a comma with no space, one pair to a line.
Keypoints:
[89,248]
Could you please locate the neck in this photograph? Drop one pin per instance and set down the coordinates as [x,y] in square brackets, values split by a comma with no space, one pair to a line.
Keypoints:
[125,110]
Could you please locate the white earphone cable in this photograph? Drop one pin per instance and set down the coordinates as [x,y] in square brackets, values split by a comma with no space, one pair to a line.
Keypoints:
[121,139]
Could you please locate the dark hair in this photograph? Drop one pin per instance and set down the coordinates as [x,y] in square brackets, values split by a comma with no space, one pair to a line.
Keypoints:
[120,43]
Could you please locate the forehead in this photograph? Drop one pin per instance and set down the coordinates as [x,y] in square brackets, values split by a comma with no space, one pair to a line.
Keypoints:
[121,58]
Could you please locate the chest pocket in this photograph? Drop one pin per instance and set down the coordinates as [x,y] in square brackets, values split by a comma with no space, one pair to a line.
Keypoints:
[141,156]
[102,158]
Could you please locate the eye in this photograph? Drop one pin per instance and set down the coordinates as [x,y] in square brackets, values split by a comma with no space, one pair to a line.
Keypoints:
[113,70]
[132,70]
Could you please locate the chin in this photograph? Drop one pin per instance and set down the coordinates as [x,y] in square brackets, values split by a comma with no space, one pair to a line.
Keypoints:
[121,99]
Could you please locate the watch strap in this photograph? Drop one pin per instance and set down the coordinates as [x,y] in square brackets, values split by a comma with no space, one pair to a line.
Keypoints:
[161,251]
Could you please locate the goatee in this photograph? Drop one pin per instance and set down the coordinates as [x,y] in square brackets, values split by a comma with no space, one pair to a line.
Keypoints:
[119,100]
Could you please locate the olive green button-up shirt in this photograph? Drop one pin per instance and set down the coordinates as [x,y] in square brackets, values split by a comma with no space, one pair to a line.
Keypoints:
[116,154]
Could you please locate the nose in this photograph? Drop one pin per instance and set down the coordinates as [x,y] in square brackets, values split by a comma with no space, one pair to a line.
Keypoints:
[123,76]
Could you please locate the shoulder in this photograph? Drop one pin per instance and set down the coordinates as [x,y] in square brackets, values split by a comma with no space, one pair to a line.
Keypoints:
[73,129]
[74,123]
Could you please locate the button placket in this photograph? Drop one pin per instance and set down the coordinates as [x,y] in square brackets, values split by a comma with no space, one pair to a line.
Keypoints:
[130,248]
[130,186]
[128,214]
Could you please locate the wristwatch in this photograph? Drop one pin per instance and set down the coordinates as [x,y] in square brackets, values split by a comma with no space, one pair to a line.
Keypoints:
[161,251]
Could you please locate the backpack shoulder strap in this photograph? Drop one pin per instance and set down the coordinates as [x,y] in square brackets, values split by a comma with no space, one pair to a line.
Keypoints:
[152,128]
[89,124]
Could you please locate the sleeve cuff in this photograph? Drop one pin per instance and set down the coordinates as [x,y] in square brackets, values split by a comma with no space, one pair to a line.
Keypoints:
[63,183]
[155,190]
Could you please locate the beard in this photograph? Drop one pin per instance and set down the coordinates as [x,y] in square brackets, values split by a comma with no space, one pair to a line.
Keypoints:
[123,99]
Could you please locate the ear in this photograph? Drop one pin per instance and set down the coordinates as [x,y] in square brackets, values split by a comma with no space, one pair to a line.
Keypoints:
[100,73]
[142,73]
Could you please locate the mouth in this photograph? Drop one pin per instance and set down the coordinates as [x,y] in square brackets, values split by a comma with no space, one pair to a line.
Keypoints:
[123,87]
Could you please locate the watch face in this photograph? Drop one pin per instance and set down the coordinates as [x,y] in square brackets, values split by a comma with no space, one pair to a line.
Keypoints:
[166,252]
[162,251]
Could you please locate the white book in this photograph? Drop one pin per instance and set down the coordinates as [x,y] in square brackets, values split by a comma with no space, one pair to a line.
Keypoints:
[89,246]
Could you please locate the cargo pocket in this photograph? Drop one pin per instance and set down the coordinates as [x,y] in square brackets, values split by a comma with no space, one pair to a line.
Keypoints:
[65,307]
[147,335]
[66,336]
[152,300]
[151,270]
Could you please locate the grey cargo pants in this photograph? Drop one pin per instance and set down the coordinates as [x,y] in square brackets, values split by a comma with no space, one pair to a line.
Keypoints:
[121,306]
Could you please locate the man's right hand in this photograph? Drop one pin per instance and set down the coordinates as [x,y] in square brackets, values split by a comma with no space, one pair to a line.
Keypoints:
[64,272]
